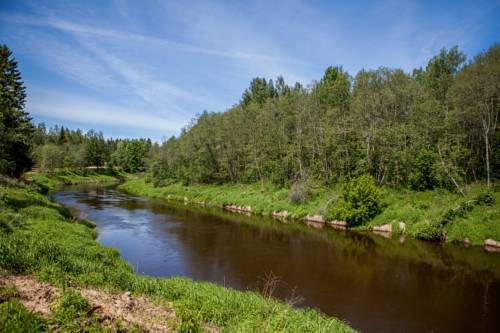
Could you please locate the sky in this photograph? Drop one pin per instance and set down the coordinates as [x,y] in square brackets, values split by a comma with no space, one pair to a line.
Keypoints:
[146,68]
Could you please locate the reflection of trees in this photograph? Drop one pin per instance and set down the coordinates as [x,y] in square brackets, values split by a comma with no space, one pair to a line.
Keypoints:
[361,276]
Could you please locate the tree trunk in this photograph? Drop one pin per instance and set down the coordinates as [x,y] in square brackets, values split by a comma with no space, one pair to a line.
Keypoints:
[449,173]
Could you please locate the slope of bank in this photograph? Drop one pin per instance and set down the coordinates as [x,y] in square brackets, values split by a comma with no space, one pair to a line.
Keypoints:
[71,177]
[40,238]
[422,212]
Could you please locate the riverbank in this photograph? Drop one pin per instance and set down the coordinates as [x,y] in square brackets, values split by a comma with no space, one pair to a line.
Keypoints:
[40,238]
[467,219]
[49,181]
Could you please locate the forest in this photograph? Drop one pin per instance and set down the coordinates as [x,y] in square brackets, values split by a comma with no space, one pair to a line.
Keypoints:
[436,127]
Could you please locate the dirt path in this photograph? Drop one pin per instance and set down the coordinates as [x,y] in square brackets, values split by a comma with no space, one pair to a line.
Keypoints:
[110,308]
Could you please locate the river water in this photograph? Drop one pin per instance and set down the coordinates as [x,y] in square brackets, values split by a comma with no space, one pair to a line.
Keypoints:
[374,284]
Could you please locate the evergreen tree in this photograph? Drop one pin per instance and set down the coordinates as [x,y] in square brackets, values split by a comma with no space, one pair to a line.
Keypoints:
[16,129]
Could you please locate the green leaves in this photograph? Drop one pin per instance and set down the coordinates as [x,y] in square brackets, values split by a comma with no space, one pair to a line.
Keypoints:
[16,129]
[361,201]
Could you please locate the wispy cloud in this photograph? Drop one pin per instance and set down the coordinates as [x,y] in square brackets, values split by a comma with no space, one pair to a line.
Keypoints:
[139,63]
[53,104]
[156,92]
[68,26]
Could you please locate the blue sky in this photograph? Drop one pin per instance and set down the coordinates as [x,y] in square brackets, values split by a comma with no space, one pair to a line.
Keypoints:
[145,68]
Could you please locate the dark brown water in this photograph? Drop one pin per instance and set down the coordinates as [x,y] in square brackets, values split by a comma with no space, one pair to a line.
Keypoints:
[375,284]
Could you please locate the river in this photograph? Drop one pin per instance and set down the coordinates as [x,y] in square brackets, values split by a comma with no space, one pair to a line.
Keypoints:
[373,283]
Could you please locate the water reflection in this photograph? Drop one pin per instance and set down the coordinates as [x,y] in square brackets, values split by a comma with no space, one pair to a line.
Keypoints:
[374,283]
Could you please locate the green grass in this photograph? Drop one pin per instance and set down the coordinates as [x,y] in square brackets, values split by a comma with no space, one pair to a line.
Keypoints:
[50,181]
[71,313]
[14,318]
[262,200]
[422,212]
[40,238]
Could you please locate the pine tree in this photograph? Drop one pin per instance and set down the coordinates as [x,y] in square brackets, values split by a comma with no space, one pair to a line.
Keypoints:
[16,129]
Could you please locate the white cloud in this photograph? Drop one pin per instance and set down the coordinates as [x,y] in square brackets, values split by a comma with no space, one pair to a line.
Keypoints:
[130,36]
[57,105]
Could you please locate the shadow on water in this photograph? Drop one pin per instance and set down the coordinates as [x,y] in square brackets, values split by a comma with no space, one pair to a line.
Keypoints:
[375,284]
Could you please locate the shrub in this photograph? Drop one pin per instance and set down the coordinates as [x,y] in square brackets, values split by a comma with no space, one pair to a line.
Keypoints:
[459,211]
[298,193]
[485,198]
[423,177]
[361,201]
[427,231]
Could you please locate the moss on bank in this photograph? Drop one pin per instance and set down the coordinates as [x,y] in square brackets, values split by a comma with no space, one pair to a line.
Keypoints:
[38,237]
[422,212]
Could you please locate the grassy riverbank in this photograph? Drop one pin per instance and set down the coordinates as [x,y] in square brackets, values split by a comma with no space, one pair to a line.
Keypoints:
[49,181]
[422,212]
[40,238]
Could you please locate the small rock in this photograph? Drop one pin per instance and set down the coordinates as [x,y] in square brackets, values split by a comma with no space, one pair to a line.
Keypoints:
[282,214]
[491,243]
[466,241]
[315,218]
[383,228]
[402,226]
[342,225]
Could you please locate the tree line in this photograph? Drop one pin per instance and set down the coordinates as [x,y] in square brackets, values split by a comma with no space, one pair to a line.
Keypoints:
[23,146]
[434,127]
[60,148]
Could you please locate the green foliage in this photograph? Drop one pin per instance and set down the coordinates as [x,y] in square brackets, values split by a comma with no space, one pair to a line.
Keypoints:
[70,310]
[8,293]
[191,321]
[299,192]
[421,131]
[45,182]
[426,230]
[52,157]
[95,150]
[16,129]
[14,318]
[423,177]
[361,201]
[460,210]
[486,198]
[131,155]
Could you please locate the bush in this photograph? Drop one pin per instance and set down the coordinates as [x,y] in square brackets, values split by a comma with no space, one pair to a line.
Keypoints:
[361,201]
[485,198]
[424,177]
[427,231]
[298,193]
[459,211]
